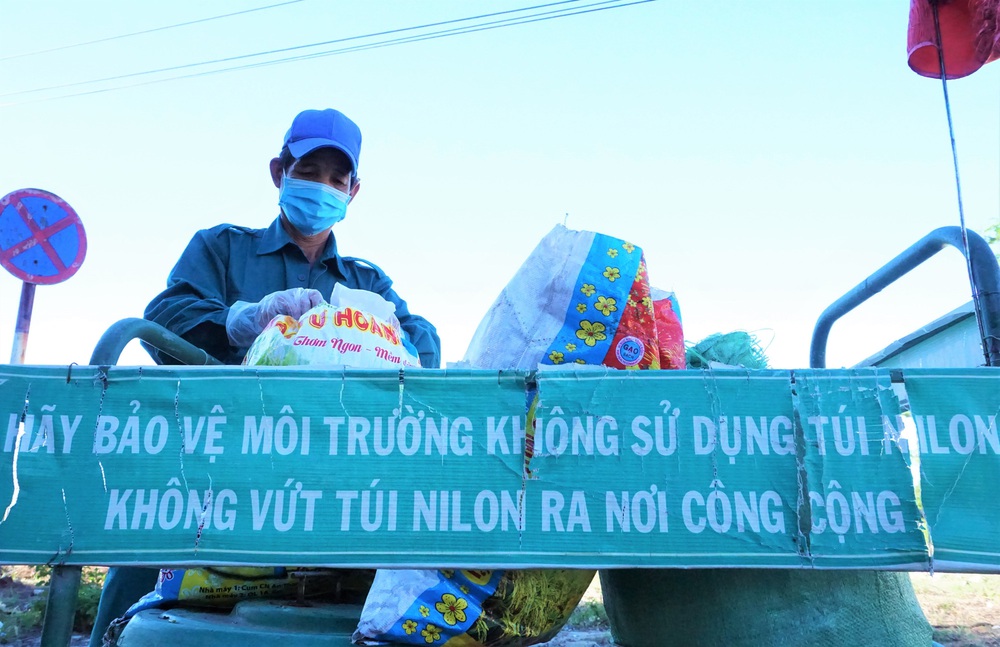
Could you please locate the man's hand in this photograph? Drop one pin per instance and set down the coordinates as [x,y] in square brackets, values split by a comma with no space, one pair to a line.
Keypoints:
[246,320]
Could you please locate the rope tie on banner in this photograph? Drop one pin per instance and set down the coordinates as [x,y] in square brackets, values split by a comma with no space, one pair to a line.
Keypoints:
[958,183]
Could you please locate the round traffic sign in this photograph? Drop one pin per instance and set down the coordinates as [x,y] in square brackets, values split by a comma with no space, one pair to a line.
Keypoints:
[41,238]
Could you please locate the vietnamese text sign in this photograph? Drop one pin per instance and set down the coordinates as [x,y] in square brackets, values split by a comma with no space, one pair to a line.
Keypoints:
[718,468]
[955,414]
[348,467]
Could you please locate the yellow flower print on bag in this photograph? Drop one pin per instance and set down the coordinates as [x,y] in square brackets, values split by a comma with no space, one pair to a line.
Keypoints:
[431,633]
[452,608]
[591,333]
[556,357]
[409,627]
[588,289]
[612,274]
[613,253]
[606,305]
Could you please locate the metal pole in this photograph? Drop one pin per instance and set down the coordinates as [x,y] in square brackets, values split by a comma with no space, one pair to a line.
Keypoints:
[64,583]
[23,323]
[60,608]
[985,289]
[111,344]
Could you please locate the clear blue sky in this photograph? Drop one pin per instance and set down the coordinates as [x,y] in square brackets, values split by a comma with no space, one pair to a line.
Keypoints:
[766,155]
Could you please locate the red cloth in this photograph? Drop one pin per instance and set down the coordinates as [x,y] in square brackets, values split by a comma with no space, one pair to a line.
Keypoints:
[970,31]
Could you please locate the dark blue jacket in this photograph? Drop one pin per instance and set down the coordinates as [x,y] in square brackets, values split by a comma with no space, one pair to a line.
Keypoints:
[227,263]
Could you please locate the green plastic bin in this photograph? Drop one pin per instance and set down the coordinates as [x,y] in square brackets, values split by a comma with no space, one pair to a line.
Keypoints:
[761,608]
[252,623]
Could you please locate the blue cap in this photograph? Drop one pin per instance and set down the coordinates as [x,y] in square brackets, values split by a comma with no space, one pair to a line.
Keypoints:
[328,128]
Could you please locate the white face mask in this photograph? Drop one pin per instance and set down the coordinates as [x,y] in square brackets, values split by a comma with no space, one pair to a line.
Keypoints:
[311,207]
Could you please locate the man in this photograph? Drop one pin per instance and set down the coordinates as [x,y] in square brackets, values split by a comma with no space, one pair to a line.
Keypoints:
[231,281]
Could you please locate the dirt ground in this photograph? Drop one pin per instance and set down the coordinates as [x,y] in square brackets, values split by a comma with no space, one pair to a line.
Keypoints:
[963,608]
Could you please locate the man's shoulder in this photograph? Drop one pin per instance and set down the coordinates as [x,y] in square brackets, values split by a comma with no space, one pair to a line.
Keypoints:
[364,266]
[231,237]
[228,229]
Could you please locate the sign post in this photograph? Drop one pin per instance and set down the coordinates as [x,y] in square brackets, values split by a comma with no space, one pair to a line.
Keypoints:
[23,323]
[42,242]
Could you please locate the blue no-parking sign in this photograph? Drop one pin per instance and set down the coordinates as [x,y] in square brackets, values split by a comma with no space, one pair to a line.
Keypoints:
[42,240]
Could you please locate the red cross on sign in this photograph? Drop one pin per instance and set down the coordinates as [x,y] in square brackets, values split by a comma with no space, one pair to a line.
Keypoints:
[41,238]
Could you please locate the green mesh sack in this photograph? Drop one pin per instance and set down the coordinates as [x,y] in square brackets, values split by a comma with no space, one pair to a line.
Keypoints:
[761,608]
[732,349]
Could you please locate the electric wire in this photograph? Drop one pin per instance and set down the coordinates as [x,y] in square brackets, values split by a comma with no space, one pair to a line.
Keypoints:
[958,183]
[282,50]
[522,20]
[584,9]
[435,35]
[145,31]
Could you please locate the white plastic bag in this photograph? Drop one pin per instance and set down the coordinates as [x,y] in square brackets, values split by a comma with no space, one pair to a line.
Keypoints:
[357,328]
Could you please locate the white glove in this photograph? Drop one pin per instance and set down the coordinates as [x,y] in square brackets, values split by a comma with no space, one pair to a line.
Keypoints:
[247,320]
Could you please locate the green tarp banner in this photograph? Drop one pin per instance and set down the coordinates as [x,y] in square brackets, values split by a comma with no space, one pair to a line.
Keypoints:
[232,465]
[955,414]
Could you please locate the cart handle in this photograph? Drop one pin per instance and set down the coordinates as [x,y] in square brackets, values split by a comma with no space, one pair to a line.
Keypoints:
[985,280]
[113,341]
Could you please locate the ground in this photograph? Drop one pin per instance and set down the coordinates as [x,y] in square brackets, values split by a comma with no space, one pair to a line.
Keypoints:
[964,610]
